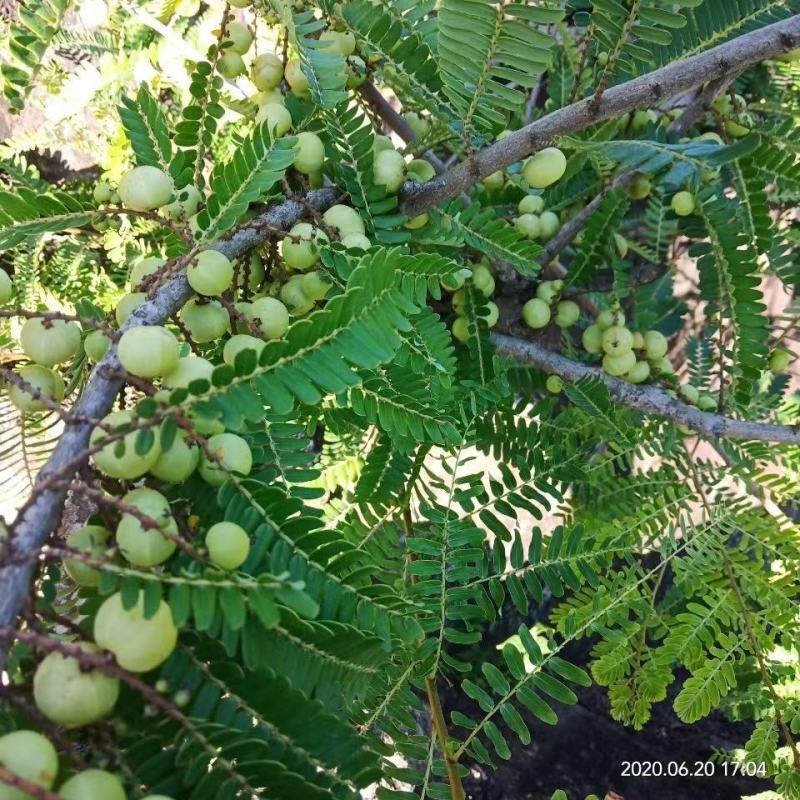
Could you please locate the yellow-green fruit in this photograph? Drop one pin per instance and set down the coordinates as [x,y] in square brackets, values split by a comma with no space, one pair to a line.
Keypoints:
[550,223]
[6,287]
[664,366]
[344,219]
[185,204]
[683,204]
[356,72]
[420,221]
[547,290]
[228,545]
[567,314]
[149,351]
[239,36]
[706,403]
[388,169]
[144,267]
[492,314]
[638,341]
[655,345]
[554,384]
[231,65]
[529,225]
[341,42]
[71,696]
[127,305]
[277,118]
[381,142]
[536,313]
[266,72]
[310,153]
[779,360]
[619,365]
[179,462]
[102,192]
[617,340]
[271,315]
[90,539]
[592,340]
[50,342]
[735,129]
[483,280]
[296,79]
[420,125]
[188,369]
[31,756]
[239,343]
[607,318]
[621,243]
[356,241]
[300,248]
[314,285]
[145,188]
[43,379]
[640,188]
[232,455]
[206,322]
[92,784]
[690,393]
[458,300]
[495,181]
[210,273]
[257,272]
[420,170]
[461,329]
[531,204]
[294,297]
[141,545]
[129,464]
[138,644]
[544,168]
[639,373]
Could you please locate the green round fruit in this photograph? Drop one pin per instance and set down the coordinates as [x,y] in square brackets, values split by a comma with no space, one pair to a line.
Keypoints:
[690,394]
[592,340]
[310,153]
[461,329]
[179,462]
[706,403]
[50,342]
[544,168]
[228,545]
[619,365]
[300,248]
[233,455]
[239,37]
[130,464]
[92,540]
[239,343]
[293,295]
[271,315]
[420,125]
[185,204]
[640,188]
[71,696]
[607,318]
[344,219]
[638,341]
[297,80]
[188,369]
[415,223]
[735,129]
[31,756]
[531,204]
[529,225]
[266,72]
[314,285]
[206,322]
[145,188]
[554,384]
[683,204]
[149,351]
[96,345]
[210,273]
[621,243]
[341,42]
[388,170]
[779,360]
[6,287]
[138,644]
[43,379]
[536,313]
[492,314]
[127,305]
[381,142]
[92,784]
[655,345]
[547,290]
[550,223]
[356,241]
[567,314]
[617,340]
[231,65]
[639,373]
[483,280]
[277,118]
[494,182]
[141,545]
[664,366]
[458,300]
[418,169]
[102,192]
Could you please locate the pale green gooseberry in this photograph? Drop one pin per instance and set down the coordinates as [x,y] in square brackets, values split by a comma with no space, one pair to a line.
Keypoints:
[341,42]
[300,248]
[271,315]
[344,219]
[495,181]
[458,301]
[639,373]
[266,72]
[144,267]
[683,204]
[185,204]
[179,462]
[6,287]
[129,464]
[779,359]
[655,345]
[310,153]
[92,540]
[187,369]
[102,192]
[71,696]
[554,384]
[127,305]
[210,273]
[257,272]
[296,78]
[233,455]
[231,65]
[706,403]
[295,298]
[149,351]
[92,784]
[50,342]
[619,365]
[145,188]
[536,313]
[41,379]
[277,118]
[138,644]
[548,290]
[567,314]
[638,341]
[388,169]
[314,285]
[621,243]
[544,168]
[483,280]
[420,221]
[206,322]
[238,344]
[690,394]
[228,545]
[239,36]
[550,223]
[461,329]
[356,241]
[141,545]
[640,188]
[420,125]
[381,142]
[617,340]
[531,204]
[592,340]
[31,756]
[607,318]
[269,96]
[492,314]
[419,169]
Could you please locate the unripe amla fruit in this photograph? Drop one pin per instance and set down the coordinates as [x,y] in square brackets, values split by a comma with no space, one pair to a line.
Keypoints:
[344,219]
[341,42]
[483,280]
[690,393]
[300,248]
[42,379]
[544,168]
[639,373]
[683,204]
[388,169]
[271,315]
[239,37]
[138,644]
[461,329]
[266,71]
[420,125]
[554,384]
[179,462]
[149,351]
[102,192]
[210,273]
[617,340]
[310,153]
[529,225]
[607,318]
[550,224]
[547,290]
[536,313]
[420,170]
[50,342]
[96,345]
[185,204]
[655,345]
[277,118]
[494,182]
[238,344]
[232,455]
[228,545]
[619,364]
[188,369]
[6,287]
[621,243]
[31,756]
[145,188]
[129,464]
[356,241]
[592,340]
[294,296]
[231,65]
[92,784]
[141,545]
[71,696]
[314,285]
[640,188]
[567,314]
[296,79]
[531,204]
[127,305]
[92,540]
[779,360]
[706,403]
[205,322]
